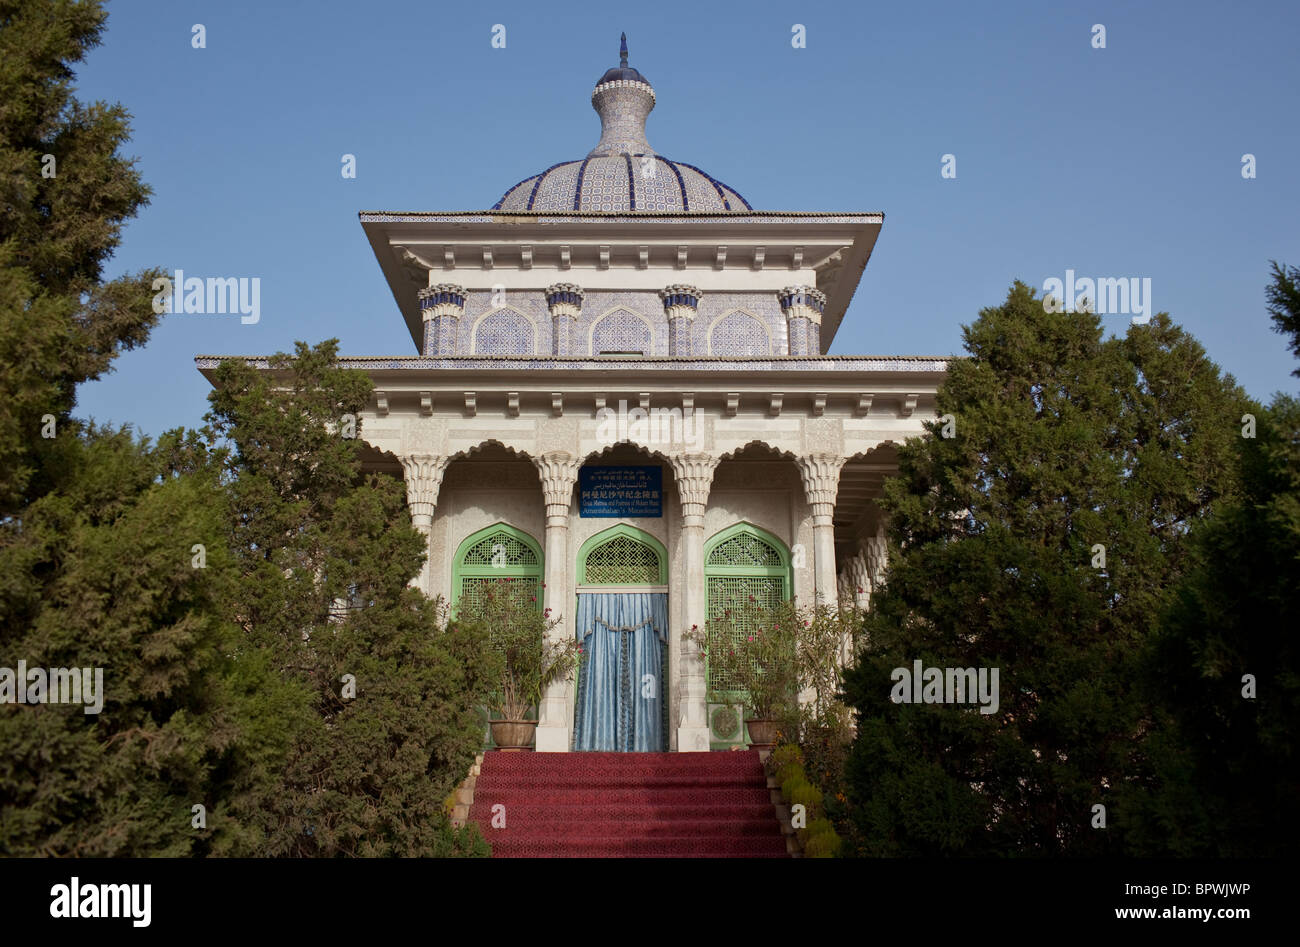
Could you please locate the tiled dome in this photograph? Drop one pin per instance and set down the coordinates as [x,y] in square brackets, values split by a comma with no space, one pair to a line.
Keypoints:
[623,173]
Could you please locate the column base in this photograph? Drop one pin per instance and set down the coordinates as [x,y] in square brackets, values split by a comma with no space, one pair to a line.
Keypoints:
[552,740]
[693,739]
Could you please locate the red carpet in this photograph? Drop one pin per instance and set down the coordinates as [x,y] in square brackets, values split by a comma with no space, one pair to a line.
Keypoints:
[627,805]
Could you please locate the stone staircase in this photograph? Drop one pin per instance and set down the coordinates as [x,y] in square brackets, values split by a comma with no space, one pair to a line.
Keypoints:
[625,805]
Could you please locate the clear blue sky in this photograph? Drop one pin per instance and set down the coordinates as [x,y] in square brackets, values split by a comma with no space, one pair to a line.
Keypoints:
[1117,162]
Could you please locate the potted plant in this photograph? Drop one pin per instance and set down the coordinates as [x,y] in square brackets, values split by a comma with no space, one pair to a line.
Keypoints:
[519,631]
[755,649]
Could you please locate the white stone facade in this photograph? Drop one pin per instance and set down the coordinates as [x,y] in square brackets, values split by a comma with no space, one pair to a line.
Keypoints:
[700,325]
[515,460]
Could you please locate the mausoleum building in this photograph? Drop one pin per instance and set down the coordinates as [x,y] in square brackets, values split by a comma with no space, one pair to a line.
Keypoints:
[621,394]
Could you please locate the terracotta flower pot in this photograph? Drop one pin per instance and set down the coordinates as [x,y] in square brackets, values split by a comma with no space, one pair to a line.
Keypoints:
[762,733]
[514,735]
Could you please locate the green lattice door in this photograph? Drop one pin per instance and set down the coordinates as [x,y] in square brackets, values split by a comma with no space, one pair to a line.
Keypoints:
[744,566]
[489,556]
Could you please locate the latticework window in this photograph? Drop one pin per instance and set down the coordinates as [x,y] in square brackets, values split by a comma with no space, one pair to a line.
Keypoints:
[500,551]
[745,549]
[623,561]
[746,574]
[474,588]
[732,603]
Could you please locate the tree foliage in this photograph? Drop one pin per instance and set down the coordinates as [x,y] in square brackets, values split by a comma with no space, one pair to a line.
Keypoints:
[1224,668]
[65,194]
[1068,446]
[224,580]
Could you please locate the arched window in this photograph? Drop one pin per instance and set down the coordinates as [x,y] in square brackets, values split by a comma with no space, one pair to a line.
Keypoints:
[498,552]
[742,563]
[622,555]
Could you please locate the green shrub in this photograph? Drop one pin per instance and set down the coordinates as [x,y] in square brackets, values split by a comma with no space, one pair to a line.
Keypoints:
[789,771]
[784,755]
[822,845]
[792,785]
[818,825]
[806,795]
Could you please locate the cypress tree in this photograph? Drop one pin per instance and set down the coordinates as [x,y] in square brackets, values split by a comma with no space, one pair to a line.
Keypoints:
[1042,540]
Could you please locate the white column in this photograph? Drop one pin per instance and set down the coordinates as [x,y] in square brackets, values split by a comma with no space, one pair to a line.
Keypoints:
[423,476]
[559,472]
[694,475]
[854,594]
[875,554]
[821,483]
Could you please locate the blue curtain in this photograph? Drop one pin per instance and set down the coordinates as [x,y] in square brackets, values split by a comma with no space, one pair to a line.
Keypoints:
[622,635]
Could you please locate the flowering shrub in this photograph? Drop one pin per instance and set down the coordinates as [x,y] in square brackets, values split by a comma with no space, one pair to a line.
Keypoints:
[519,632]
[788,661]
[755,648]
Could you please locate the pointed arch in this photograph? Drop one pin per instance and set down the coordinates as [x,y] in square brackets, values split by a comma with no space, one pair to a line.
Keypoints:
[743,335]
[499,551]
[742,563]
[623,329]
[504,331]
[746,547]
[622,555]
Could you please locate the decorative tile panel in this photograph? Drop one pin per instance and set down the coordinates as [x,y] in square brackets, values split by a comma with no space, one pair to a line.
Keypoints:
[504,332]
[622,331]
[739,334]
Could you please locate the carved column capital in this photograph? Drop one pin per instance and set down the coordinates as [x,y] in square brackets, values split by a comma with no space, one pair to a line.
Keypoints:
[564,301]
[694,475]
[423,476]
[821,483]
[443,299]
[802,302]
[441,307]
[559,472]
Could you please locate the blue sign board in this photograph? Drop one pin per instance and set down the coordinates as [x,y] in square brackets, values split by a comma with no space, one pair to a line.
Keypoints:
[620,491]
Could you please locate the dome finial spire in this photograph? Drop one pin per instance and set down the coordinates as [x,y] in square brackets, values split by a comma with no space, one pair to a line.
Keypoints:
[622,51]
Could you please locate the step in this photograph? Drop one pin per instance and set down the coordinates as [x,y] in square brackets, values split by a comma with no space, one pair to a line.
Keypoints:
[628,805]
[517,828]
[492,794]
[622,813]
[676,764]
[543,781]
[698,846]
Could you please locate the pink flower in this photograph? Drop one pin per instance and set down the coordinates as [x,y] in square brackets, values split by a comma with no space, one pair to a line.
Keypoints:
[751,637]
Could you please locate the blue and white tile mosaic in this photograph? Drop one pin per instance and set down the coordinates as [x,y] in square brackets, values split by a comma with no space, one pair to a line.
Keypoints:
[622,331]
[505,332]
[739,334]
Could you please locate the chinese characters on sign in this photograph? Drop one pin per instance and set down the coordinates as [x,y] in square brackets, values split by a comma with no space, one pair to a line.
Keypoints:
[620,491]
